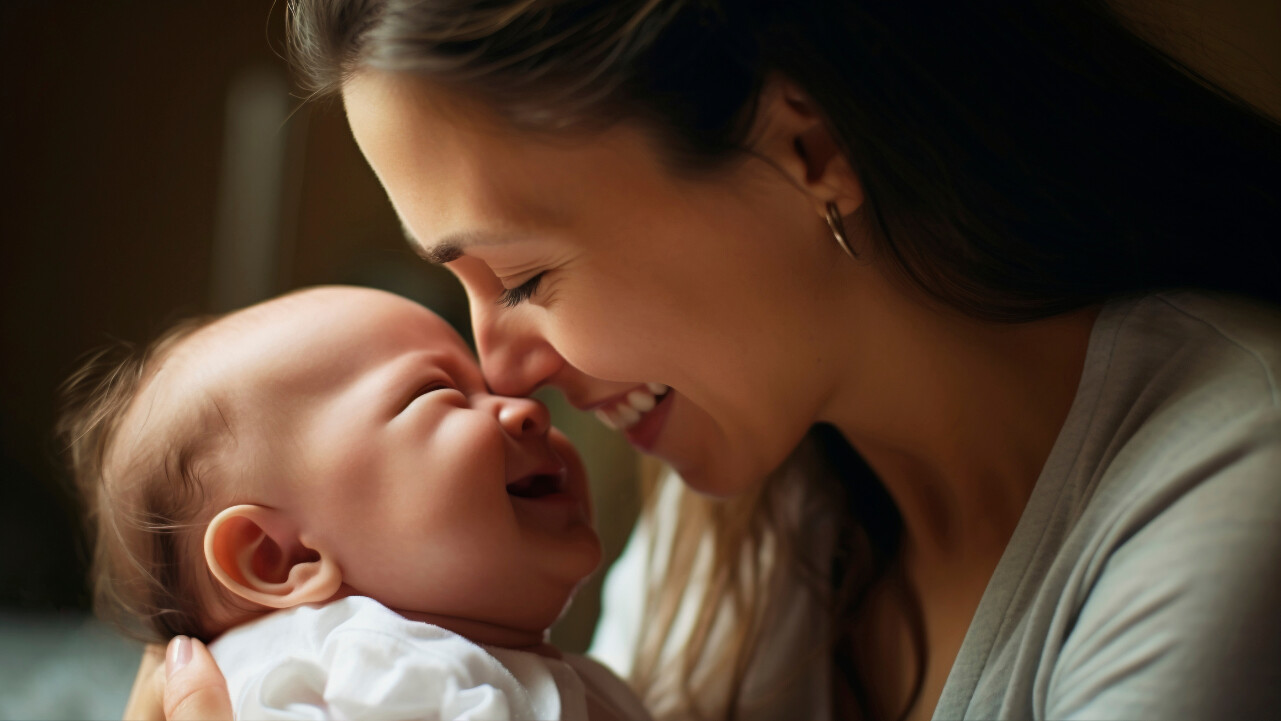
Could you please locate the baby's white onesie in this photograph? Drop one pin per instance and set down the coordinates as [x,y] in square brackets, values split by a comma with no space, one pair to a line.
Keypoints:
[357,659]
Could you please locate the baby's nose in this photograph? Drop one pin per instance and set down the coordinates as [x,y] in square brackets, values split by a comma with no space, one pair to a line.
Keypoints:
[523,418]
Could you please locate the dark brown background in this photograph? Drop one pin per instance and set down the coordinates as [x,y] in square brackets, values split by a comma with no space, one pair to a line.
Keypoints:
[113,149]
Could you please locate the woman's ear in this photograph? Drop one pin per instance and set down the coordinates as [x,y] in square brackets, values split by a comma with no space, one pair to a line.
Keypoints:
[256,554]
[791,133]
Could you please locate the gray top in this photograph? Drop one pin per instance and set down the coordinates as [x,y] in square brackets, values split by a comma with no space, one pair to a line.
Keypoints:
[1143,580]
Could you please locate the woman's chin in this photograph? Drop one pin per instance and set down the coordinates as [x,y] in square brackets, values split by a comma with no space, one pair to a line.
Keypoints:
[713,455]
[716,480]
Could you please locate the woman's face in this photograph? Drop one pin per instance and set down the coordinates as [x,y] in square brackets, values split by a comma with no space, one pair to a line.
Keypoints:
[593,267]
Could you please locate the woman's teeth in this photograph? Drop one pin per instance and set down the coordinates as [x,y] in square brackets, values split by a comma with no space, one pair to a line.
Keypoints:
[627,412]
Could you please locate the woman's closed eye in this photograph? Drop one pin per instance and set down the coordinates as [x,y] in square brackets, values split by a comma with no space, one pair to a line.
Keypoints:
[511,297]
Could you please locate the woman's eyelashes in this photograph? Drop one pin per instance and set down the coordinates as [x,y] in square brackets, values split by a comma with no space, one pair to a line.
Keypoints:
[511,297]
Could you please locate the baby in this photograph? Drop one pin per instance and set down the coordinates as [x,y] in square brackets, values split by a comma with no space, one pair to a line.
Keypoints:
[335,452]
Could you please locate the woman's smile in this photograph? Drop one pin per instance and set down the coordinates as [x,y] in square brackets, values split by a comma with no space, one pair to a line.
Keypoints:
[626,410]
[640,414]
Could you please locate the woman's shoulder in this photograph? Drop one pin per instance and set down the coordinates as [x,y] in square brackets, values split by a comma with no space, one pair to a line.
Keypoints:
[1172,576]
[1176,555]
[1143,578]
[1188,406]
[1248,325]
[1204,334]
[1172,377]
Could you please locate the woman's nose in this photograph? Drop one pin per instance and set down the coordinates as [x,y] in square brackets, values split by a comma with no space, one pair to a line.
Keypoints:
[522,418]
[515,358]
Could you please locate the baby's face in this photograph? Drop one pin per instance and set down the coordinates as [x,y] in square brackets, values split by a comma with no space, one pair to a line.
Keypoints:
[365,417]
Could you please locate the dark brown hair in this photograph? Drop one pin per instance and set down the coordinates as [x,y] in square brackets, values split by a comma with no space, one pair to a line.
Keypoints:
[138,509]
[1019,159]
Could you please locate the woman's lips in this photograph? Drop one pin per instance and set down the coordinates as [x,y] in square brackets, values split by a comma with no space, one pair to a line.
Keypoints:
[639,413]
[645,432]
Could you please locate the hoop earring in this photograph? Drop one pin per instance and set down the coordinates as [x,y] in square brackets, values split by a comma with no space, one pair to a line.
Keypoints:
[837,225]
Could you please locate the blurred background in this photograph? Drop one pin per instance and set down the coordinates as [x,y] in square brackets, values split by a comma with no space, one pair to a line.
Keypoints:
[158,167]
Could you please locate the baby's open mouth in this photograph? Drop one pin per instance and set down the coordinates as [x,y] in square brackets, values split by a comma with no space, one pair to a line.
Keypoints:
[537,485]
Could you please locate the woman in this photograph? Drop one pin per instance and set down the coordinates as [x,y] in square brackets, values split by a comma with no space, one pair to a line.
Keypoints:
[949,246]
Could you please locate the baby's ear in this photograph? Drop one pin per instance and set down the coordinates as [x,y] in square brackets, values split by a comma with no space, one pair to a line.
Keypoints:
[256,553]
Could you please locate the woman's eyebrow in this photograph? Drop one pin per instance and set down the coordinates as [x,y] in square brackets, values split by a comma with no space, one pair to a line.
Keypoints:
[441,253]
[450,247]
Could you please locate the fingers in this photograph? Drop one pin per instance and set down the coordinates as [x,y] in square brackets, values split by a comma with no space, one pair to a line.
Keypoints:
[194,689]
[145,703]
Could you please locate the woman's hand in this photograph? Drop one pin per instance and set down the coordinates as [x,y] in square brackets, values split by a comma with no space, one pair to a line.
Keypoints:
[146,700]
[180,684]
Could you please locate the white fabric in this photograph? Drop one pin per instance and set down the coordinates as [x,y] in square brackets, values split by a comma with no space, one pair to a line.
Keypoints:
[356,659]
[1143,580]
[789,677]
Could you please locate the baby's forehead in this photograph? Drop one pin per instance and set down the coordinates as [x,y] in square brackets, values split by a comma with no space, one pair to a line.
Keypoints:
[263,369]
[343,310]
[313,341]
[303,344]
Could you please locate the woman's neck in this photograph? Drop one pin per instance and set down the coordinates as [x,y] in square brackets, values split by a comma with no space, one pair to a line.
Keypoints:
[957,423]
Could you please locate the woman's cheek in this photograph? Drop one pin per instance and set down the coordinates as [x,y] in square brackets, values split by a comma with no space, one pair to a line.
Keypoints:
[602,342]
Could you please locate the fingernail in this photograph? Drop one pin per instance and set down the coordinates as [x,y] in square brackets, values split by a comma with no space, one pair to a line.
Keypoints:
[179,655]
